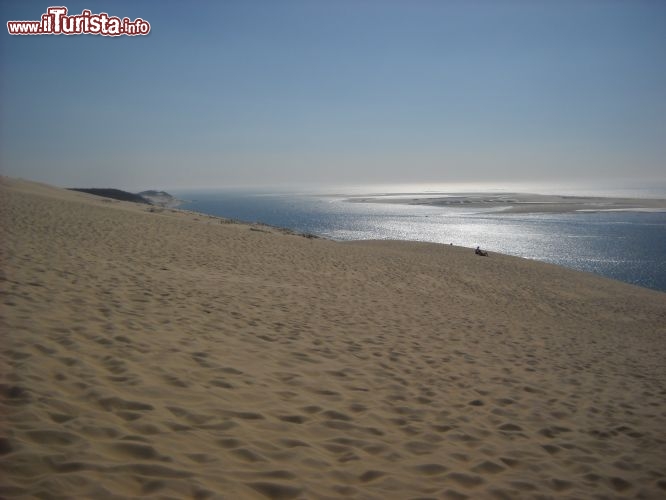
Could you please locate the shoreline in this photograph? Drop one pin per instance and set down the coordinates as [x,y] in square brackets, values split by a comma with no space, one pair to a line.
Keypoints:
[511,203]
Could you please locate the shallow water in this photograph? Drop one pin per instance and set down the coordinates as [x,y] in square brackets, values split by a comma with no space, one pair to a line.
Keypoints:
[627,246]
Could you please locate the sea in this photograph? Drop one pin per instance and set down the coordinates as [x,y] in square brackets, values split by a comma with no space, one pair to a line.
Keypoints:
[625,246]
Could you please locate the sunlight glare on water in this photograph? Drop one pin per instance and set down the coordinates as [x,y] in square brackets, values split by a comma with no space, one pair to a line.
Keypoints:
[629,246]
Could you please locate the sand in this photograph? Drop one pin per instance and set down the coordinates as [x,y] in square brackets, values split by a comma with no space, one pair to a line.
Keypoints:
[522,203]
[160,353]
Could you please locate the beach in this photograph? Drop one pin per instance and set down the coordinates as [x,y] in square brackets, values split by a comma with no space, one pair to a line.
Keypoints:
[156,352]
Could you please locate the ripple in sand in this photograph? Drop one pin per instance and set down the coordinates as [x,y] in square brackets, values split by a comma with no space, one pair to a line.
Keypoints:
[293,419]
[59,438]
[488,467]
[276,491]
[248,455]
[466,480]
[430,469]
[136,450]
[5,446]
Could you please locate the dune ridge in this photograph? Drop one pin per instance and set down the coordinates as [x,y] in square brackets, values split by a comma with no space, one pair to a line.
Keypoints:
[170,354]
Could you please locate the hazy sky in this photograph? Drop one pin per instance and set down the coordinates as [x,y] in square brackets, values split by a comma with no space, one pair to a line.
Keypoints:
[339,92]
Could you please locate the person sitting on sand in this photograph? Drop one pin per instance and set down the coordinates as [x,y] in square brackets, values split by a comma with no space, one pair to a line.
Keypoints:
[478,251]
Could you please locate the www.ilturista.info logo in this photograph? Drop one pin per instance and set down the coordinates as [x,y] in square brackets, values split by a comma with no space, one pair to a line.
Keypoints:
[57,22]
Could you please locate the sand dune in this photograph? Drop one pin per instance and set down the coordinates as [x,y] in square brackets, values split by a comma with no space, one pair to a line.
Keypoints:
[162,353]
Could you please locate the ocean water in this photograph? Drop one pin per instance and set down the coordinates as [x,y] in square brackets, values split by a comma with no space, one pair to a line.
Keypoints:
[627,246]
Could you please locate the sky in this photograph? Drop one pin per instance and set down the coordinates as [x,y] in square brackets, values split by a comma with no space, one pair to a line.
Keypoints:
[338,92]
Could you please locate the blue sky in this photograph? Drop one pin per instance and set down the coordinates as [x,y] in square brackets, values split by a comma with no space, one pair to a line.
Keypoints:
[339,92]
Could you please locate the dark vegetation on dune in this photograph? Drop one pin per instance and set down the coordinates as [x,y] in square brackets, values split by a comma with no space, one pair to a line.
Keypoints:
[150,197]
[116,194]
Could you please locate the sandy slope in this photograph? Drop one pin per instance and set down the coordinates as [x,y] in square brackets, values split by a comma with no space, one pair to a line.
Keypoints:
[170,354]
